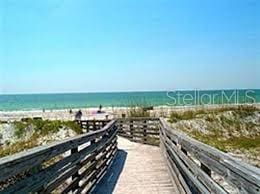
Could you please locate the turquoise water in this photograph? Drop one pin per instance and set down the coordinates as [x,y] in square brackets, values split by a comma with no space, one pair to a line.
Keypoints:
[125,99]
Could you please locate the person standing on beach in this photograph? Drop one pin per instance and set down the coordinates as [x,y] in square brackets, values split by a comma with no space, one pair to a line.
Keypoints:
[100,109]
[78,115]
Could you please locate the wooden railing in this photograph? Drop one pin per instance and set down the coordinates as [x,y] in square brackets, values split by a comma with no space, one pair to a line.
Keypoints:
[92,125]
[143,130]
[78,164]
[75,164]
[204,169]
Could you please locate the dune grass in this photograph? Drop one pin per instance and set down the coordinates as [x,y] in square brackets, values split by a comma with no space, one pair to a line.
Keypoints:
[138,112]
[40,128]
[45,127]
[226,145]
[229,129]
[242,110]
[19,146]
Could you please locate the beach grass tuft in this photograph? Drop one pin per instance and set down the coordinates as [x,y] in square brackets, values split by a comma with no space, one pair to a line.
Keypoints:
[39,128]
[229,129]
[138,112]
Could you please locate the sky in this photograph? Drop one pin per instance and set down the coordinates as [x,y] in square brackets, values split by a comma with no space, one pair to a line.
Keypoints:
[53,46]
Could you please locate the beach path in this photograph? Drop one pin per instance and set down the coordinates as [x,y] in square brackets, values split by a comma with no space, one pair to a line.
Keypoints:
[137,168]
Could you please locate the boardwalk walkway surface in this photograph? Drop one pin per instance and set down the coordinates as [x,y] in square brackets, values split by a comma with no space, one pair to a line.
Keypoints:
[138,168]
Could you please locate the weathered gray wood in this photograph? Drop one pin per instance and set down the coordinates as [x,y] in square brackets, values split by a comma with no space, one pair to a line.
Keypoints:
[176,176]
[193,179]
[93,167]
[198,173]
[144,130]
[144,171]
[137,138]
[243,176]
[93,124]
[63,168]
[97,174]
[32,183]
[63,177]
[17,163]
[97,156]
[90,168]
[138,119]
[175,172]
[156,133]
[74,176]
[206,169]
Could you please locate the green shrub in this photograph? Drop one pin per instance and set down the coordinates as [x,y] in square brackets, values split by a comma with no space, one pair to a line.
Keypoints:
[45,127]
[185,115]
[20,128]
[74,126]
[138,112]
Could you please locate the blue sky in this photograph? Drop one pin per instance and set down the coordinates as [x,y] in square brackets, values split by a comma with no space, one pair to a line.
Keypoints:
[128,45]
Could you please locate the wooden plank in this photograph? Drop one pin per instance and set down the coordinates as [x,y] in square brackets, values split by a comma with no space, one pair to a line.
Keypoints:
[74,176]
[142,132]
[239,174]
[138,119]
[33,182]
[95,177]
[197,172]
[88,161]
[176,176]
[90,169]
[139,175]
[193,179]
[138,138]
[17,163]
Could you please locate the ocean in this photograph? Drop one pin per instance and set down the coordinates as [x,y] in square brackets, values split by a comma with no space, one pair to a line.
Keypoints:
[125,99]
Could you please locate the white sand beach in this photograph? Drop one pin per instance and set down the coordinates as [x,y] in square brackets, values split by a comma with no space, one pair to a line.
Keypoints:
[107,112]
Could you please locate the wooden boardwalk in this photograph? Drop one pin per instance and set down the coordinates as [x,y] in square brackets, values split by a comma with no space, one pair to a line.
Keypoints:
[98,163]
[137,168]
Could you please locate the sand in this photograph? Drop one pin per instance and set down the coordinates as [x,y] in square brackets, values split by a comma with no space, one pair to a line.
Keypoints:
[91,113]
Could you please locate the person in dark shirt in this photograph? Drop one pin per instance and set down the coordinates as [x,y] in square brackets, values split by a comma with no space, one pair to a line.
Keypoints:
[78,115]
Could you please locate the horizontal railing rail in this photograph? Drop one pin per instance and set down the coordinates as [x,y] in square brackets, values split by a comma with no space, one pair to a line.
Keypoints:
[203,169]
[143,130]
[93,125]
[75,164]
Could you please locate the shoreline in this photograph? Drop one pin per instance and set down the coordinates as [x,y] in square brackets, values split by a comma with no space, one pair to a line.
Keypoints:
[111,112]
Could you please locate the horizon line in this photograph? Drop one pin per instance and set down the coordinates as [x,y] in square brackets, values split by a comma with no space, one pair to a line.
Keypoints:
[126,91]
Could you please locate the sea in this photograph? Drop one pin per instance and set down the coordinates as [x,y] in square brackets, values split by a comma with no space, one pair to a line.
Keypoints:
[25,102]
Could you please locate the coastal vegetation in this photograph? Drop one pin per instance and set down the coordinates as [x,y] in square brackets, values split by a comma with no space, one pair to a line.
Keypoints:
[138,112]
[232,129]
[235,130]
[30,133]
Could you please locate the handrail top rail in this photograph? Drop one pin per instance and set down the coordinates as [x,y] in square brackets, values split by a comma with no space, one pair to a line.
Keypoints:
[245,172]
[95,120]
[36,151]
[138,119]
[242,168]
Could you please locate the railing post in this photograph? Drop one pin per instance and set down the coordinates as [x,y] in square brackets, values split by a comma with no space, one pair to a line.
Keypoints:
[94,125]
[76,175]
[94,141]
[87,126]
[121,126]
[145,131]
[132,129]
[35,170]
